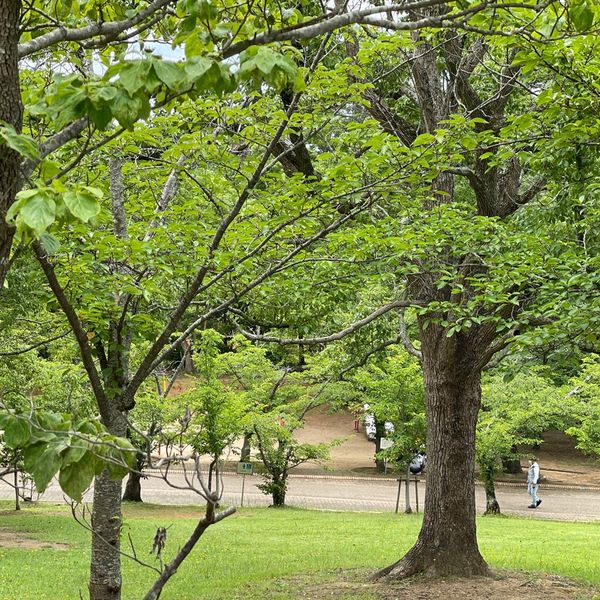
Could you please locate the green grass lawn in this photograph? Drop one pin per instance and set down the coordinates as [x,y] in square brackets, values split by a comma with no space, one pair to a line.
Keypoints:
[246,556]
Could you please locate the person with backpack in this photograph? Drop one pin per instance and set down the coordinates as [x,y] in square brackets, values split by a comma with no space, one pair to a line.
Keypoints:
[417,464]
[533,481]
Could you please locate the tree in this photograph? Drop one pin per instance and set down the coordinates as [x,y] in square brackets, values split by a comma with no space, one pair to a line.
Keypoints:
[121,276]
[514,414]
[277,400]
[393,389]
[585,395]
[474,251]
[464,300]
[215,415]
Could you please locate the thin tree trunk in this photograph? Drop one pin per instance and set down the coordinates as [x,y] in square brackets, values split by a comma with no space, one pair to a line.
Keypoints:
[512,465]
[447,542]
[11,111]
[105,566]
[279,491]
[408,508]
[379,434]
[245,452]
[492,507]
[133,487]
[16,481]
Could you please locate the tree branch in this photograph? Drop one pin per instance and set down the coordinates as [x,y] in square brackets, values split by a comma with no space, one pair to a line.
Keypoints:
[108,30]
[404,337]
[333,20]
[78,331]
[340,334]
[34,346]
[209,519]
[70,132]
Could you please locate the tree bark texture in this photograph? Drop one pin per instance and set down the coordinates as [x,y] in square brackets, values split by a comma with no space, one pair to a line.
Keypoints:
[11,111]
[105,567]
[447,542]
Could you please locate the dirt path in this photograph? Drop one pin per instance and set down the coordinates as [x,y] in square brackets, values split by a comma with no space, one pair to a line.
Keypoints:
[560,461]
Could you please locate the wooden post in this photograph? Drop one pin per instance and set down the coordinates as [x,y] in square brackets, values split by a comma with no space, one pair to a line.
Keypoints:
[398,496]
[417,493]
[16,480]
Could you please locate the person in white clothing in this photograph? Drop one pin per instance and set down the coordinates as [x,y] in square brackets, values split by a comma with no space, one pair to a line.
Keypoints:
[533,480]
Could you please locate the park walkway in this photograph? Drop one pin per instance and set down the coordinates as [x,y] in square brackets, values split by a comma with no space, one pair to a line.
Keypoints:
[324,492]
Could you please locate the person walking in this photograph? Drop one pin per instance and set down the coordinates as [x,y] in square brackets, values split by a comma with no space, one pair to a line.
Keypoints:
[533,480]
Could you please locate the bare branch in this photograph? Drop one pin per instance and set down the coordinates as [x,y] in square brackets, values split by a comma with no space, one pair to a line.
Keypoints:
[37,345]
[405,339]
[334,20]
[340,334]
[108,30]
[210,518]
[365,358]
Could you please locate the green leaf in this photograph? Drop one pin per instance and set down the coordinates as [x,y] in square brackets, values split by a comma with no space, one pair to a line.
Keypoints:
[75,478]
[424,139]
[76,451]
[23,144]
[126,109]
[17,432]
[43,461]
[49,243]
[582,17]
[82,204]
[133,75]
[197,67]
[265,59]
[169,73]
[39,211]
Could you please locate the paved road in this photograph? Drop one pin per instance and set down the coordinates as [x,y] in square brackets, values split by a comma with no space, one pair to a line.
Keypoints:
[362,494]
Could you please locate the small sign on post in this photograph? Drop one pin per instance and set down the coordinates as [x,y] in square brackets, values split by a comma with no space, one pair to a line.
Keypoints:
[243,469]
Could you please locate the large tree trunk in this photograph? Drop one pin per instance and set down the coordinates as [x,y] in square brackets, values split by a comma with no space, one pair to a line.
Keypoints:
[11,111]
[447,542]
[105,567]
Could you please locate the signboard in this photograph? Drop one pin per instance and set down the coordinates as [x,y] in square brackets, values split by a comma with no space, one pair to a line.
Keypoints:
[245,468]
[385,443]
